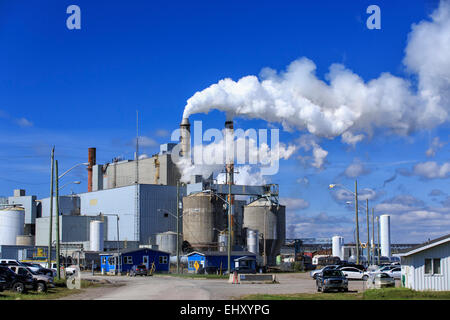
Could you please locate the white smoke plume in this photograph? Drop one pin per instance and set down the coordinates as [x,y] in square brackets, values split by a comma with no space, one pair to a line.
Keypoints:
[211,158]
[346,105]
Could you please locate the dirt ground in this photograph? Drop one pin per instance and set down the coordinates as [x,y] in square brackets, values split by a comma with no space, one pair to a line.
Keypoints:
[176,288]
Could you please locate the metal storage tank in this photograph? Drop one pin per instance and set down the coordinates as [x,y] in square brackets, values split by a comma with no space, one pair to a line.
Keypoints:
[385,235]
[337,247]
[96,236]
[203,218]
[25,240]
[269,218]
[167,242]
[253,241]
[12,222]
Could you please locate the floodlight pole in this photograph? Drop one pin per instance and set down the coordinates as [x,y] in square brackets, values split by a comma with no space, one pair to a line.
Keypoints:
[357,224]
[49,253]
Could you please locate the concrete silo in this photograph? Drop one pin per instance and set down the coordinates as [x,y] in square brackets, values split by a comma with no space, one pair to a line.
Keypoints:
[12,222]
[203,218]
[385,235]
[269,219]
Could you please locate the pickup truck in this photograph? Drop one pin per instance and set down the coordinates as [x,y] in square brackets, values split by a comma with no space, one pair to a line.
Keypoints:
[331,279]
[42,282]
[15,282]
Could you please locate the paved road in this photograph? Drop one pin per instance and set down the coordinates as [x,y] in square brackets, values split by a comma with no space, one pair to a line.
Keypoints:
[175,288]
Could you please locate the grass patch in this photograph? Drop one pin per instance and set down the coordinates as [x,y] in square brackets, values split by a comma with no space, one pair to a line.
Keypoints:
[195,276]
[405,294]
[372,294]
[59,291]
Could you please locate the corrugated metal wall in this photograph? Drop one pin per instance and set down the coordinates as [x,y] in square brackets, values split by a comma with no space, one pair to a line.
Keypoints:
[420,280]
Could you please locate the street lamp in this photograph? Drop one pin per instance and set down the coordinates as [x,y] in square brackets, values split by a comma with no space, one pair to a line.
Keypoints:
[73,182]
[331,186]
[118,243]
[368,245]
[167,212]
[58,177]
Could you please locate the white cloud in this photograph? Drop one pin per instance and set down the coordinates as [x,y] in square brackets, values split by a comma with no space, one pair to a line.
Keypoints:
[356,169]
[293,204]
[22,122]
[436,144]
[432,170]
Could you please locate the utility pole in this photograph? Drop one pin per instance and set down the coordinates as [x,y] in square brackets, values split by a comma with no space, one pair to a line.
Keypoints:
[368,231]
[49,253]
[357,223]
[378,242]
[178,226]
[373,237]
[58,273]
[229,229]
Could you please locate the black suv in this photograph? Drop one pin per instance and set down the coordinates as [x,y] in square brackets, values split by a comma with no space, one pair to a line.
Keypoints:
[331,280]
[140,270]
[15,282]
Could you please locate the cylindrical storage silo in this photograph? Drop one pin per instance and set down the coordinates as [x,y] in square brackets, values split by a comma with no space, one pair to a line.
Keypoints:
[203,218]
[337,247]
[269,219]
[167,242]
[252,241]
[96,235]
[25,240]
[12,221]
[385,235]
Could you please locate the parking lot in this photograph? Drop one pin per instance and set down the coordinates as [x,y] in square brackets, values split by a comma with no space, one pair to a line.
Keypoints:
[166,287]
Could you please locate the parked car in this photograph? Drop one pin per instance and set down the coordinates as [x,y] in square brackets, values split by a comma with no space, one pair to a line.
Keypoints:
[331,279]
[353,265]
[42,282]
[139,270]
[314,273]
[354,273]
[395,273]
[40,269]
[2,284]
[15,282]
[380,280]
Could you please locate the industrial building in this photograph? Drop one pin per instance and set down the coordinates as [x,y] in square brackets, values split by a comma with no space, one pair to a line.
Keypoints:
[214,262]
[427,266]
[132,204]
[125,260]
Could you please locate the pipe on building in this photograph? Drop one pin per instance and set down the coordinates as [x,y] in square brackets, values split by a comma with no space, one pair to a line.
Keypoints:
[92,162]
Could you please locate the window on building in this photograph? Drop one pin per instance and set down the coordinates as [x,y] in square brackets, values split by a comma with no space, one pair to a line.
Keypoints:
[191,264]
[436,266]
[163,260]
[128,260]
[428,266]
[111,261]
[103,260]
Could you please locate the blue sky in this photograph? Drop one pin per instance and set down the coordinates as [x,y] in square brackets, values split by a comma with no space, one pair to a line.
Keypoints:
[77,89]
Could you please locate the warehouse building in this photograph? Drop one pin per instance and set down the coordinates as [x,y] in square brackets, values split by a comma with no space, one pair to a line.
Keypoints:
[216,261]
[123,261]
[427,266]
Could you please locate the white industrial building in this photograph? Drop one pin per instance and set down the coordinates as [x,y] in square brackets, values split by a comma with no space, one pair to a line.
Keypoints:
[427,266]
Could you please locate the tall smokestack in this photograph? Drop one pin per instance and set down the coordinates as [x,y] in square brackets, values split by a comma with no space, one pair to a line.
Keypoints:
[185,137]
[91,160]
[229,165]
[229,139]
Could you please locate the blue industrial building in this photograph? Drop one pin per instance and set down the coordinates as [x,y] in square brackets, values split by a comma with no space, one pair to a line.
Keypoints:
[126,259]
[215,261]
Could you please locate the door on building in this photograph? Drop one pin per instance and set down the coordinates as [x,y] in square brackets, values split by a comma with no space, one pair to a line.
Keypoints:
[145,261]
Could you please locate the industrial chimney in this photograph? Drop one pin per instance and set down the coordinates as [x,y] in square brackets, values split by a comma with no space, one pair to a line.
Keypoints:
[92,161]
[229,148]
[385,234]
[185,137]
